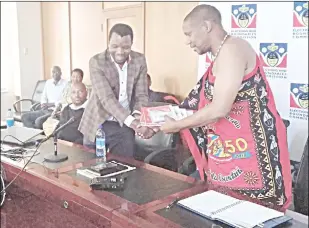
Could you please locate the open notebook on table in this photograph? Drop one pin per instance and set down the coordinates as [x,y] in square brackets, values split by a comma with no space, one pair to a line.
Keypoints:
[233,212]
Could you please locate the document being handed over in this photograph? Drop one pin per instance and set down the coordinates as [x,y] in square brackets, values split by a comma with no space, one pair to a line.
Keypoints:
[155,116]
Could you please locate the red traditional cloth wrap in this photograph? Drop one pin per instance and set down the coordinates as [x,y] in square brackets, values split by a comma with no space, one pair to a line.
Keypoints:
[246,152]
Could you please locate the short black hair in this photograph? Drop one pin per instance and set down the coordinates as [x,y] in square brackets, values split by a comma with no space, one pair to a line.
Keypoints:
[122,30]
[205,12]
[57,67]
[79,71]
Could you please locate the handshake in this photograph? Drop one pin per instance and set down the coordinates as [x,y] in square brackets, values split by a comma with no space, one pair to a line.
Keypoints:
[161,118]
[143,131]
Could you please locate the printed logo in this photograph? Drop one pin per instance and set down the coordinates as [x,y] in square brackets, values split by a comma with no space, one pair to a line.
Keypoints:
[300,20]
[228,149]
[299,101]
[273,57]
[244,21]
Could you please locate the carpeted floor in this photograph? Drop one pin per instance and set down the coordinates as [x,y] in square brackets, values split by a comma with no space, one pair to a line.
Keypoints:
[25,210]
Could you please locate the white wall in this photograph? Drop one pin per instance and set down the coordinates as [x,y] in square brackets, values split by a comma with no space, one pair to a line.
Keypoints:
[9,46]
[30,46]
[21,50]
[7,98]
[10,70]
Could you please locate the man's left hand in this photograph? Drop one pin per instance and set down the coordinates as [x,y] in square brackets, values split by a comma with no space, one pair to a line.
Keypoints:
[170,126]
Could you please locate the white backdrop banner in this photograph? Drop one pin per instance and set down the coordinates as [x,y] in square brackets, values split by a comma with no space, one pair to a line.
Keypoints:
[279,33]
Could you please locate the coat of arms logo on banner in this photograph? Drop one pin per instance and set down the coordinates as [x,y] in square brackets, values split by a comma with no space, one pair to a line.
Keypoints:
[273,57]
[299,101]
[300,20]
[244,21]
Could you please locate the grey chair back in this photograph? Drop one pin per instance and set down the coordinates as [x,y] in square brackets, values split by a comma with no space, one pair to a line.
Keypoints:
[159,141]
[37,93]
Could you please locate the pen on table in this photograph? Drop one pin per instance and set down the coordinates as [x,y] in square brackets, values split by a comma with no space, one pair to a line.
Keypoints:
[172,203]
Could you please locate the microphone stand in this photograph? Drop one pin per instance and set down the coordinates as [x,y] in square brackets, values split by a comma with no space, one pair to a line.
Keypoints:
[55,157]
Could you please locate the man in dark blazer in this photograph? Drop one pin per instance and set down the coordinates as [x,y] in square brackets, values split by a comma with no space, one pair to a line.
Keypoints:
[119,81]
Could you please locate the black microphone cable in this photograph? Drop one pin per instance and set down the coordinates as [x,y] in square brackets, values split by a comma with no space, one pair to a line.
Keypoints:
[72,119]
[3,192]
[17,175]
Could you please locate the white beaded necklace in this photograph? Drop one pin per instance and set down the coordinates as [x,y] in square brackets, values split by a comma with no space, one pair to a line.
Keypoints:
[219,48]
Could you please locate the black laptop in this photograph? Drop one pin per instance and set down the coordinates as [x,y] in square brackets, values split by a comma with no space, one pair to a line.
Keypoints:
[21,136]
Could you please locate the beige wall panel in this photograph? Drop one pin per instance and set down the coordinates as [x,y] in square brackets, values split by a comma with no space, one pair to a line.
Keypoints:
[56,38]
[173,65]
[110,5]
[87,38]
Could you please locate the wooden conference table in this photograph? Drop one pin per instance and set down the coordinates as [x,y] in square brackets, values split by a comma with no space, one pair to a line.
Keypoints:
[148,190]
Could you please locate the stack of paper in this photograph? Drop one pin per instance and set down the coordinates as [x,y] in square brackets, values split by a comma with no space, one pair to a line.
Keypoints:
[155,116]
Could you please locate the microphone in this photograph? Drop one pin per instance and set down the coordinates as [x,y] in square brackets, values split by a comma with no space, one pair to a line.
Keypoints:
[56,131]
[55,157]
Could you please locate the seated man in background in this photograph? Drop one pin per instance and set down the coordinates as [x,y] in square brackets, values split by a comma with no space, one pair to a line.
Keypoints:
[77,76]
[76,108]
[51,96]
[51,123]
[159,96]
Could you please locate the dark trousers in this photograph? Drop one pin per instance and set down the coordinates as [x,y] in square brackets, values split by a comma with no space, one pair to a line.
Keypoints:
[35,119]
[196,175]
[119,140]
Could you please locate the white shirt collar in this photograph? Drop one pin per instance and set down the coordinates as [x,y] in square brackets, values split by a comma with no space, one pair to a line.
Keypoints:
[60,82]
[75,107]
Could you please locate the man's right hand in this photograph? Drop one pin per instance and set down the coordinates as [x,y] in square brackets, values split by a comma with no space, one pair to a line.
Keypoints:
[145,132]
[142,131]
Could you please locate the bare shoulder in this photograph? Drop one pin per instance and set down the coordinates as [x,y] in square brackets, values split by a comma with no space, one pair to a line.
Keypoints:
[241,49]
[238,46]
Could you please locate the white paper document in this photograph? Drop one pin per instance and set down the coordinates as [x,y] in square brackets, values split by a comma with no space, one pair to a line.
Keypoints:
[229,210]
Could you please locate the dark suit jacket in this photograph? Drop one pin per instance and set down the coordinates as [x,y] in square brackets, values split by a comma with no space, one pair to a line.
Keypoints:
[103,102]
[70,132]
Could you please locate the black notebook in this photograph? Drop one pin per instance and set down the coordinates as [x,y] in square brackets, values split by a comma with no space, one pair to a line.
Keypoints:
[233,212]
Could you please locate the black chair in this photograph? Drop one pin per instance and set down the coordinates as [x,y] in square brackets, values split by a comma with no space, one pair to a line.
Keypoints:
[158,150]
[301,186]
[189,165]
[162,150]
[34,102]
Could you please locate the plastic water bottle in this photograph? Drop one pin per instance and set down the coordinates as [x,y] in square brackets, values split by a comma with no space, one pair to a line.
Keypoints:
[10,118]
[100,149]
